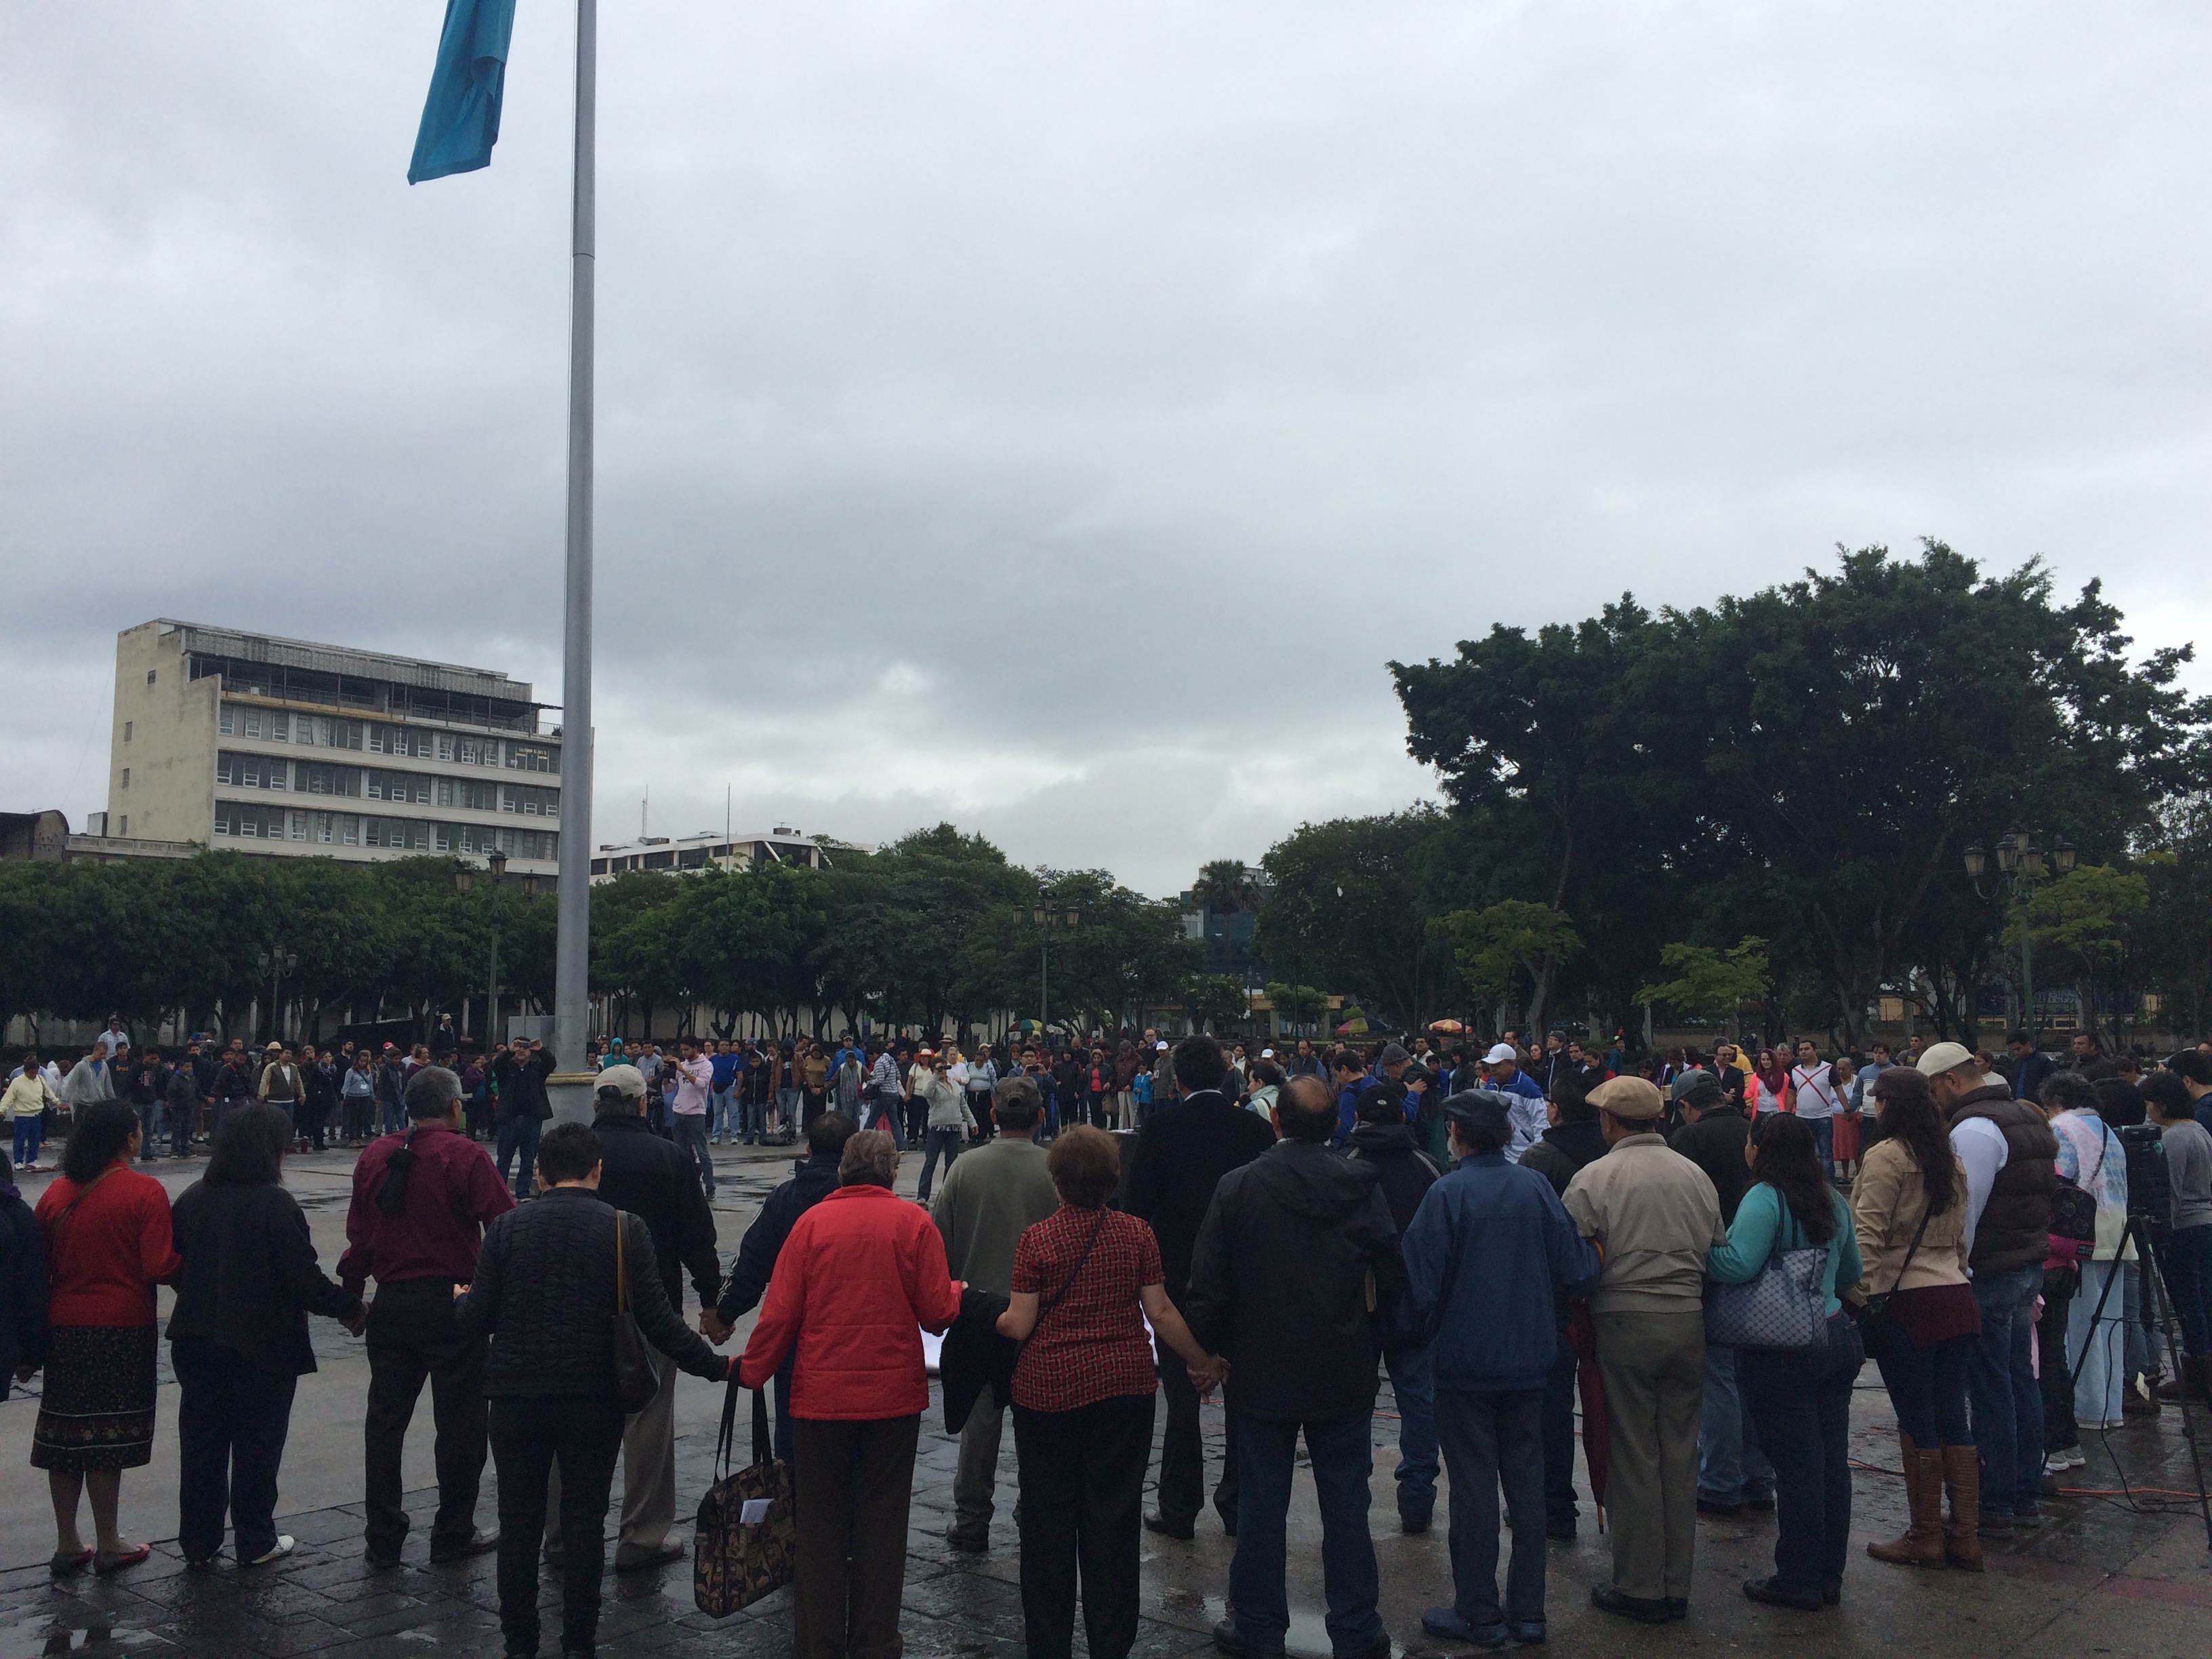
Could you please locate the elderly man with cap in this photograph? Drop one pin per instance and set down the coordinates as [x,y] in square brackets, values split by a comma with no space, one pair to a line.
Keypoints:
[655,1181]
[2011,1159]
[1732,1470]
[1487,1240]
[1655,1217]
[1506,1077]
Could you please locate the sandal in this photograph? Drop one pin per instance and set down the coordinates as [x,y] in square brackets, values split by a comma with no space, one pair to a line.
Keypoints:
[67,1563]
[103,1563]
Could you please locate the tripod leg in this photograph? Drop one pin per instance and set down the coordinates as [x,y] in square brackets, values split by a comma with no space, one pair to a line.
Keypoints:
[2154,1286]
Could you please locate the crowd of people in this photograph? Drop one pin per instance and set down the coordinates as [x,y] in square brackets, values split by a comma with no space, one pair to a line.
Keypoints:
[1710,1245]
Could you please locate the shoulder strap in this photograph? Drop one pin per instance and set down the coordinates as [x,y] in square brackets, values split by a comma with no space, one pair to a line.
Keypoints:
[54,1228]
[1068,1283]
[621,1278]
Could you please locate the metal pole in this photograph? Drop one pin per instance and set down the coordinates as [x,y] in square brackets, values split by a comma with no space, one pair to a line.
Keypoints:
[491,984]
[2028,965]
[569,1088]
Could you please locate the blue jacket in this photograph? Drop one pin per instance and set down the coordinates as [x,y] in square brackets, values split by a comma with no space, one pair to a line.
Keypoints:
[1487,1246]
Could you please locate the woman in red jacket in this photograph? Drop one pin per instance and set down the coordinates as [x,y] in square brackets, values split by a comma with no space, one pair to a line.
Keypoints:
[862,1273]
[107,1245]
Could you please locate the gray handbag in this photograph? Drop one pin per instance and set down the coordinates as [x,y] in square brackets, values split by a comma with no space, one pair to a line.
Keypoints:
[1785,1310]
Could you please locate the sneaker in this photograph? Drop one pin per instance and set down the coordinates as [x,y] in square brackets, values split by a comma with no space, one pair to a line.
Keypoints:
[282,1547]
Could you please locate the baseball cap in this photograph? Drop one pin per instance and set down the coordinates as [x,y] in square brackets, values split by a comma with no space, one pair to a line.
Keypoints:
[1943,1057]
[1501,1053]
[626,1081]
[1633,1099]
[1162,1047]
[1695,1081]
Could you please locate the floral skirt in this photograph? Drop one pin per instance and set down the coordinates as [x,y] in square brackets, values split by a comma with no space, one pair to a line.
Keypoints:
[97,1413]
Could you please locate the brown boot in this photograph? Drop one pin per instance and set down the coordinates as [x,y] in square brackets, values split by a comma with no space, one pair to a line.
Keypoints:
[1962,1478]
[1922,1545]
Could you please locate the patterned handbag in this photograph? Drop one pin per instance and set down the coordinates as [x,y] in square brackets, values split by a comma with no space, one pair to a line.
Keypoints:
[746,1544]
[1785,1308]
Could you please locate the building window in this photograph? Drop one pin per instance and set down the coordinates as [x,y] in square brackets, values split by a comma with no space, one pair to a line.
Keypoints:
[530,758]
[127,731]
[126,777]
[126,825]
[280,727]
[149,676]
[445,747]
[226,721]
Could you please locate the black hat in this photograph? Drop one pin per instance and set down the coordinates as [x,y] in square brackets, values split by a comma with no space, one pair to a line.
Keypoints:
[1480,1108]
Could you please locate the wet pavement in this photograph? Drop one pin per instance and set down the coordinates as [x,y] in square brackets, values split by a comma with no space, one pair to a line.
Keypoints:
[2119,1567]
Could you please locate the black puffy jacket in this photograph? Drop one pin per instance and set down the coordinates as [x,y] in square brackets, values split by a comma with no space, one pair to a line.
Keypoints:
[1406,1170]
[763,1241]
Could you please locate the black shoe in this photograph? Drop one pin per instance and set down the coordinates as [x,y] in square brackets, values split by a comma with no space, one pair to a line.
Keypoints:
[378,1558]
[2027,1516]
[1760,1505]
[1378,1647]
[1713,1506]
[1775,1594]
[1645,1610]
[1832,1592]
[1560,1532]
[1414,1524]
[967,1543]
[482,1541]
[1226,1638]
[1528,1631]
[1993,1523]
[628,1560]
[1166,1528]
[1678,1607]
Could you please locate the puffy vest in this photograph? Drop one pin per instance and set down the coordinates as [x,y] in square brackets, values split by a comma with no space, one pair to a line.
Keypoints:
[2015,1230]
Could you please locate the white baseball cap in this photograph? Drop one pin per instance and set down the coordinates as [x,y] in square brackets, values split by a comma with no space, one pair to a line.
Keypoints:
[1943,1057]
[1501,1054]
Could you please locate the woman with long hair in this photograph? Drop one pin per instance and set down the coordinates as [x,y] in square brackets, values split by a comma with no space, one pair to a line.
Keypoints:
[1770,1080]
[1909,1204]
[1801,1402]
[238,1337]
[108,1244]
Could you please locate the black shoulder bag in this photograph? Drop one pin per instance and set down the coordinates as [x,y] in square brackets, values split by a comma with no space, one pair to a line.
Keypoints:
[636,1378]
[1874,1318]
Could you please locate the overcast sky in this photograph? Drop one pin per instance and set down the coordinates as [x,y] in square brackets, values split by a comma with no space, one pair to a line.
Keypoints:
[1053,416]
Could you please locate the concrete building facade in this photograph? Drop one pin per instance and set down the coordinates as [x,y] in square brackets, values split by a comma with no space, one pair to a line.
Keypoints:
[287,748]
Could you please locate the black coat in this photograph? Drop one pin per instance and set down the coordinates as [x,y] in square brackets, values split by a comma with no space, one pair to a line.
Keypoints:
[1182,1153]
[22,1289]
[545,1293]
[522,1088]
[653,1179]
[250,1278]
[763,1241]
[1715,1143]
[1280,1282]
[975,1357]
[1404,1169]
[1563,1149]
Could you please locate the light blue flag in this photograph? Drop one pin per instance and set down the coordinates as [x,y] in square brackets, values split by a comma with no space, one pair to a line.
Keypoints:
[460,119]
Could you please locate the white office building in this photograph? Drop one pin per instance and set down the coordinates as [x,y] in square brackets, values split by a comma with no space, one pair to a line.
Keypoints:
[286,748]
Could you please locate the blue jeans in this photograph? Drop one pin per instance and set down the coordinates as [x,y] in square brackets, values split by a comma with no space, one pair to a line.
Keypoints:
[689,1130]
[1803,1405]
[519,1134]
[1731,1466]
[1493,1440]
[1928,1389]
[889,1116]
[2002,1389]
[1343,1458]
[29,1129]
[1824,1143]
[150,1130]
[1412,1380]
[2189,1280]
[1560,1436]
[947,1141]
[722,1109]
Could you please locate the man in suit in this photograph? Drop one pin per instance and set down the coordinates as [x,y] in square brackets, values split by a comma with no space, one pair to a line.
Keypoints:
[1182,1151]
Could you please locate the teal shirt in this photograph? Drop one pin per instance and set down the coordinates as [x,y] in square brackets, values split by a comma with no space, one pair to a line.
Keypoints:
[1752,1240]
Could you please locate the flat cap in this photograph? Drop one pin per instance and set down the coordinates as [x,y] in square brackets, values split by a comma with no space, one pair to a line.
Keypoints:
[1632,1099]
[1480,1108]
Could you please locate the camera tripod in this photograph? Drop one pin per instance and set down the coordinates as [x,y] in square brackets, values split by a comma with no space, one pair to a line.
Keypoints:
[2150,1256]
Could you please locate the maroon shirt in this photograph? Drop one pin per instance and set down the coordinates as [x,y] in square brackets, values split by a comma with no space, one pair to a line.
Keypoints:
[453,1193]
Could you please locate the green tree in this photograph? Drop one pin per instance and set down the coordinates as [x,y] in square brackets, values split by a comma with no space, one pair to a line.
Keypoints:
[1301,1005]
[1710,983]
[1489,944]
[1216,1000]
[2085,918]
[1223,886]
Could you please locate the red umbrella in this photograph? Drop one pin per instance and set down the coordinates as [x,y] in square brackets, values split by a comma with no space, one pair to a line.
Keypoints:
[1597,1440]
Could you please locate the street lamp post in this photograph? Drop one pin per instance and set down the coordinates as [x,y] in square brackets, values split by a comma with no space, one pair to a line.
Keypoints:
[1044,915]
[496,865]
[2024,864]
[276,961]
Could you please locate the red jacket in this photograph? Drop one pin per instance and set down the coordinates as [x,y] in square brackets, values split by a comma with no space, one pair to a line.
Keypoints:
[106,1257]
[862,1271]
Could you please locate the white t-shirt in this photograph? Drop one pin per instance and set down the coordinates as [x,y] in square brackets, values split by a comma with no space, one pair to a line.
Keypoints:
[109,1041]
[1816,1090]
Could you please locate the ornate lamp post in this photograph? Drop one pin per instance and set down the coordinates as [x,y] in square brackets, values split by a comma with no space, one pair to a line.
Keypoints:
[2024,864]
[463,876]
[276,961]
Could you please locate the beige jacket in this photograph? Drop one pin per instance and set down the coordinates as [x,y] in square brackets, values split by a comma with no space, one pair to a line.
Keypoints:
[1657,1216]
[1888,1200]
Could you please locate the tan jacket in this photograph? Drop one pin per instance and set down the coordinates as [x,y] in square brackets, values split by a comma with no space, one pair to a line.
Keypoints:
[1887,1201]
[1657,1215]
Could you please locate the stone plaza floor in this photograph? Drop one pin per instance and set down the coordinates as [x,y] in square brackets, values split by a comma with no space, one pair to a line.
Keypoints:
[2094,1579]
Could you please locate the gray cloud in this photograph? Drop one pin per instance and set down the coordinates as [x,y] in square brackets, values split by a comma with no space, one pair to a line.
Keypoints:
[1053,417]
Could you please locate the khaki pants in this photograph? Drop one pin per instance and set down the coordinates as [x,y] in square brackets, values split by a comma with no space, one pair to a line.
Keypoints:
[975,1477]
[1654,1367]
[648,1459]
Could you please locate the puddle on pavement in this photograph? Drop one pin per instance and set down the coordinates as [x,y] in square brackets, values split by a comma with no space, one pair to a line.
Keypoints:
[1307,1637]
[75,1633]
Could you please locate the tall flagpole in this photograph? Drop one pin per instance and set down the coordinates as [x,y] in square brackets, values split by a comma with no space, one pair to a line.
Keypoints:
[570,1086]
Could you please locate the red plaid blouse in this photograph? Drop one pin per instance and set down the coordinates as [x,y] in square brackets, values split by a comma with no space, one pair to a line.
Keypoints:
[1092,1344]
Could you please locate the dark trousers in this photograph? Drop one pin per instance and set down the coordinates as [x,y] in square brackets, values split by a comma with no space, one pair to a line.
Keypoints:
[232,1418]
[1491,1440]
[1802,1405]
[1083,1495]
[1182,1452]
[854,1481]
[528,1433]
[2055,1376]
[1342,1459]
[1928,1388]
[2002,1389]
[180,1130]
[2188,1267]
[413,1337]
[519,1134]
[1559,1429]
